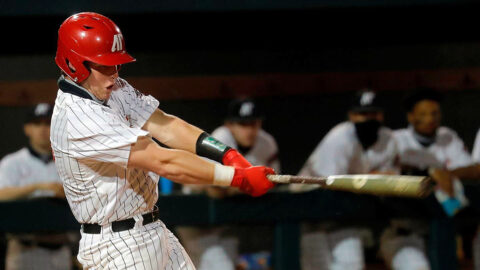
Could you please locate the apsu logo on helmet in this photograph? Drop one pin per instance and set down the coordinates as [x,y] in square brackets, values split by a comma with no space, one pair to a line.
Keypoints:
[117,43]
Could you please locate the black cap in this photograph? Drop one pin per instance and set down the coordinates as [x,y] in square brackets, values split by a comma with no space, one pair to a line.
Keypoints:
[365,100]
[243,110]
[41,111]
[421,94]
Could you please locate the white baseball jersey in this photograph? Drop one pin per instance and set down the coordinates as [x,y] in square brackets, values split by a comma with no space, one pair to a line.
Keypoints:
[91,141]
[340,152]
[263,152]
[25,167]
[21,168]
[476,148]
[448,150]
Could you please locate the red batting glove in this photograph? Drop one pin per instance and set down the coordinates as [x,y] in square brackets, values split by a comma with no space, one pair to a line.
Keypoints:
[235,159]
[253,180]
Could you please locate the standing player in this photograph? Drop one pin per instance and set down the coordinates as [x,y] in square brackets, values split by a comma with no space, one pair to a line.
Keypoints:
[101,135]
[30,173]
[242,130]
[358,146]
[423,147]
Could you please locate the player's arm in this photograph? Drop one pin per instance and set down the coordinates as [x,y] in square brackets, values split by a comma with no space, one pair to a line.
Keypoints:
[14,193]
[176,165]
[178,134]
[471,172]
[445,177]
[187,168]
[172,131]
[9,188]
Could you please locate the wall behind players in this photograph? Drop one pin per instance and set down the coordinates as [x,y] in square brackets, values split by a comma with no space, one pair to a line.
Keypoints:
[298,122]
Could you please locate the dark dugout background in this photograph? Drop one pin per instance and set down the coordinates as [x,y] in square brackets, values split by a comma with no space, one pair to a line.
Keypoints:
[187,39]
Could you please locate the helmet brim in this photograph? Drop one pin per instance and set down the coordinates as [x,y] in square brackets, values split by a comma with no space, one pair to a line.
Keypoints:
[112,59]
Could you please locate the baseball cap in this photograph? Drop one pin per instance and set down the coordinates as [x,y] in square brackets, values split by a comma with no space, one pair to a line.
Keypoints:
[242,110]
[41,111]
[365,100]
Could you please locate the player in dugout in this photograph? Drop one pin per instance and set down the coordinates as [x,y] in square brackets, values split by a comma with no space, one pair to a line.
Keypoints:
[424,148]
[360,145]
[30,173]
[470,172]
[217,248]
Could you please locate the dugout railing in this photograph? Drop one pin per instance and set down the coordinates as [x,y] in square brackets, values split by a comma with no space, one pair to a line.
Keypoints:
[282,210]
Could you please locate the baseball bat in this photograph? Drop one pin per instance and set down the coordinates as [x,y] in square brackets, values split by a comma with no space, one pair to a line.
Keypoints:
[375,184]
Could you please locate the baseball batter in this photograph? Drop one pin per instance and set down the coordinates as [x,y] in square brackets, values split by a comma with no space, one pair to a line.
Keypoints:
[101,135]
[422,147]
[358,146]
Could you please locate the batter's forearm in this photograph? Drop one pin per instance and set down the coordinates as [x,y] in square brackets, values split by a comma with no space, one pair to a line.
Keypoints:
[186,168]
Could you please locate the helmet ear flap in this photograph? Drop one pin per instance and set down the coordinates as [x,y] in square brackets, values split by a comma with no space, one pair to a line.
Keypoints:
[74,67]
[69,66]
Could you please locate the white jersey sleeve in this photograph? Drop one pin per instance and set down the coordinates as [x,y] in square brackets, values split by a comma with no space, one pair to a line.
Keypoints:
[331,156]
[96,133]
[457,152]
[476,148]
[448,150]
[9,173]
[137,107]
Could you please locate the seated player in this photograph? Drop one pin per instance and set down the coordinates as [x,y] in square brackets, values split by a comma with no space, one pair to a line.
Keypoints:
[217,248]
[30,173]
[360,145]
[423,147]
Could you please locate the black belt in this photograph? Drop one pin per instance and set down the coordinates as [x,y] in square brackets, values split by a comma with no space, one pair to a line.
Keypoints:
[121,225]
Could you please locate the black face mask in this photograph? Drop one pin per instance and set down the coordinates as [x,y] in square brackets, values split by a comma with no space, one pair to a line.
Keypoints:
[367,132]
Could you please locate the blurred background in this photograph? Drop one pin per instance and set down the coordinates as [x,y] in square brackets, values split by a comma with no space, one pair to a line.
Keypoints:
[301,60]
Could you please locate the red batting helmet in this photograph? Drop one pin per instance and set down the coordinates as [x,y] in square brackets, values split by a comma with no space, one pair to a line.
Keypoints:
[89,36]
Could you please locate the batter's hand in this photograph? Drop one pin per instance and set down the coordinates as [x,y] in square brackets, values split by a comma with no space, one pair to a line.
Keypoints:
[235,159]
[253,180]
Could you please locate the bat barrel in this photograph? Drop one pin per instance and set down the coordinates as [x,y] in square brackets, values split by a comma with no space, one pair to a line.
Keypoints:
[391,185]
[387,185]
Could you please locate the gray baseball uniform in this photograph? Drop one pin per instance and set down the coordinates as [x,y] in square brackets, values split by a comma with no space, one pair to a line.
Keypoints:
[22,168]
